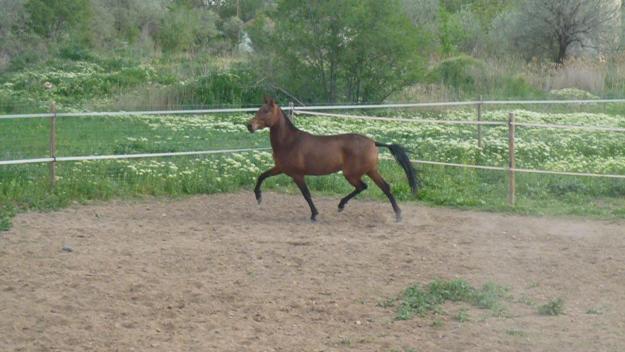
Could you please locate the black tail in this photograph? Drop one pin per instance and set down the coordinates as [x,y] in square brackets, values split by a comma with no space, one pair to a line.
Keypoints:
[402,158]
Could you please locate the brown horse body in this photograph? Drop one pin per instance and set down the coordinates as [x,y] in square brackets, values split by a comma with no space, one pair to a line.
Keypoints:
[297,153]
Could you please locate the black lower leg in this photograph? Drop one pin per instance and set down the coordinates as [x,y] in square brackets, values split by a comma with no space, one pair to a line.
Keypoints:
[261,178]
[306,193]
[361,187]
[387,190]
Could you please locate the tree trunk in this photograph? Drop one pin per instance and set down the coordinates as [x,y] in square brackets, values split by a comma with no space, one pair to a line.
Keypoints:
[333,82]
[563,45]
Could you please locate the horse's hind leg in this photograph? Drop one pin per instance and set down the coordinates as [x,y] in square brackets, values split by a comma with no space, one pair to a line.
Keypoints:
[301,183]
[360,186]
[377,178]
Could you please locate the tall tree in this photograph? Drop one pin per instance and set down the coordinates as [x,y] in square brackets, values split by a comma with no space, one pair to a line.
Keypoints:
[50,18]
[553,28]
[333,50]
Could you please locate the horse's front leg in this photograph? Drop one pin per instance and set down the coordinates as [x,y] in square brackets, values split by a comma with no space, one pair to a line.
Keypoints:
[301,183]
[271,172]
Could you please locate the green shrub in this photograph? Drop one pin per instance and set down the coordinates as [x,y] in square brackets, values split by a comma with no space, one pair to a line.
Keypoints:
[75,52]
[571,94]
[6,213]
[232,87]
[515,87]
[553,307]
[460,73]
[421,300]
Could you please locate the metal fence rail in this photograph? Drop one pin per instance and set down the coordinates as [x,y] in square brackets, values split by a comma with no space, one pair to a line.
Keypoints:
[466,122]
[129,156]
[400,119]
[323,107]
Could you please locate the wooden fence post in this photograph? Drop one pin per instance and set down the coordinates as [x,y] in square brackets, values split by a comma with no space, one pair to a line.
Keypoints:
[511,161]
[53,145]
[479,127]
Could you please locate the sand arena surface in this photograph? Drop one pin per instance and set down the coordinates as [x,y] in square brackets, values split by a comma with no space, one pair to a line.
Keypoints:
[217,273]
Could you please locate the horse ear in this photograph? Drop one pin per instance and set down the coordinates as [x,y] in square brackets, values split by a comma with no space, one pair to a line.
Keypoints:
[266,99]
[269,100]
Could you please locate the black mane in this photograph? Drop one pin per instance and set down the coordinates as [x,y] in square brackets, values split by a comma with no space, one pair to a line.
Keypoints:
[289,123]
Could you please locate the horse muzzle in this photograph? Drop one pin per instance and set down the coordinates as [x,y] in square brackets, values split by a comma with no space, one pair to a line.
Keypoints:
[250,127]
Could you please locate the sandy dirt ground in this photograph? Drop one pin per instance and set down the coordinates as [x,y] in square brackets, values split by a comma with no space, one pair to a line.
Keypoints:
[217,273]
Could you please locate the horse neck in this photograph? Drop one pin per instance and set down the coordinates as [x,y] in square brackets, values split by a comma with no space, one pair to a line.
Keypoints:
[283,133]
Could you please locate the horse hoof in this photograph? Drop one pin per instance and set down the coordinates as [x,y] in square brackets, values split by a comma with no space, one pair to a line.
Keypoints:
[398,218]
[341,209]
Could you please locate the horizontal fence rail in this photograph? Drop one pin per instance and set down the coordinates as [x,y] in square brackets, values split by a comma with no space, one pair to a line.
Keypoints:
[129,113]
[465,122]
[129,156]
[400,119]
[322,107]
[502,168]
[571,127]
[243,150]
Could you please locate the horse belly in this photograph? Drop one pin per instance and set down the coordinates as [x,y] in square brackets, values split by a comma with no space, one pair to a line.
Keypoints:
[322,164]
[310,163]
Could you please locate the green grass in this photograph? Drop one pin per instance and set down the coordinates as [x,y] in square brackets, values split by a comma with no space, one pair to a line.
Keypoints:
[462,315]
[595,310]
[24,187]
[553,307]
[6,213]
[418,300]
[517,333]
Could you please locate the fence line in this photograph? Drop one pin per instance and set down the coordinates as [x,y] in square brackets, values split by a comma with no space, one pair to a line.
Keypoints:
[129,113]
[399,119]
[511,169]
[571,127]
[129,156]
[464,122]
[243,150]
[26,161]
[324,107]
[463,103]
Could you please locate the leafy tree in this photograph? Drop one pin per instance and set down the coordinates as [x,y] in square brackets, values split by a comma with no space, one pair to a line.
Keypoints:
[12,17]
[50,18]
[183,28]
[463,31]
[247,9]
[552,28]
[453,24]
[13,30]
[133,18]
[487,10]
[232,29]
[336,50]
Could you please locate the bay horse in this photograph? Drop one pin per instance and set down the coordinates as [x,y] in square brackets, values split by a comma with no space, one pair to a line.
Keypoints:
[297,153]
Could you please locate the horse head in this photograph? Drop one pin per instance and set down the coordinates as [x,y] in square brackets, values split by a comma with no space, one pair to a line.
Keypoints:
[266,116]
